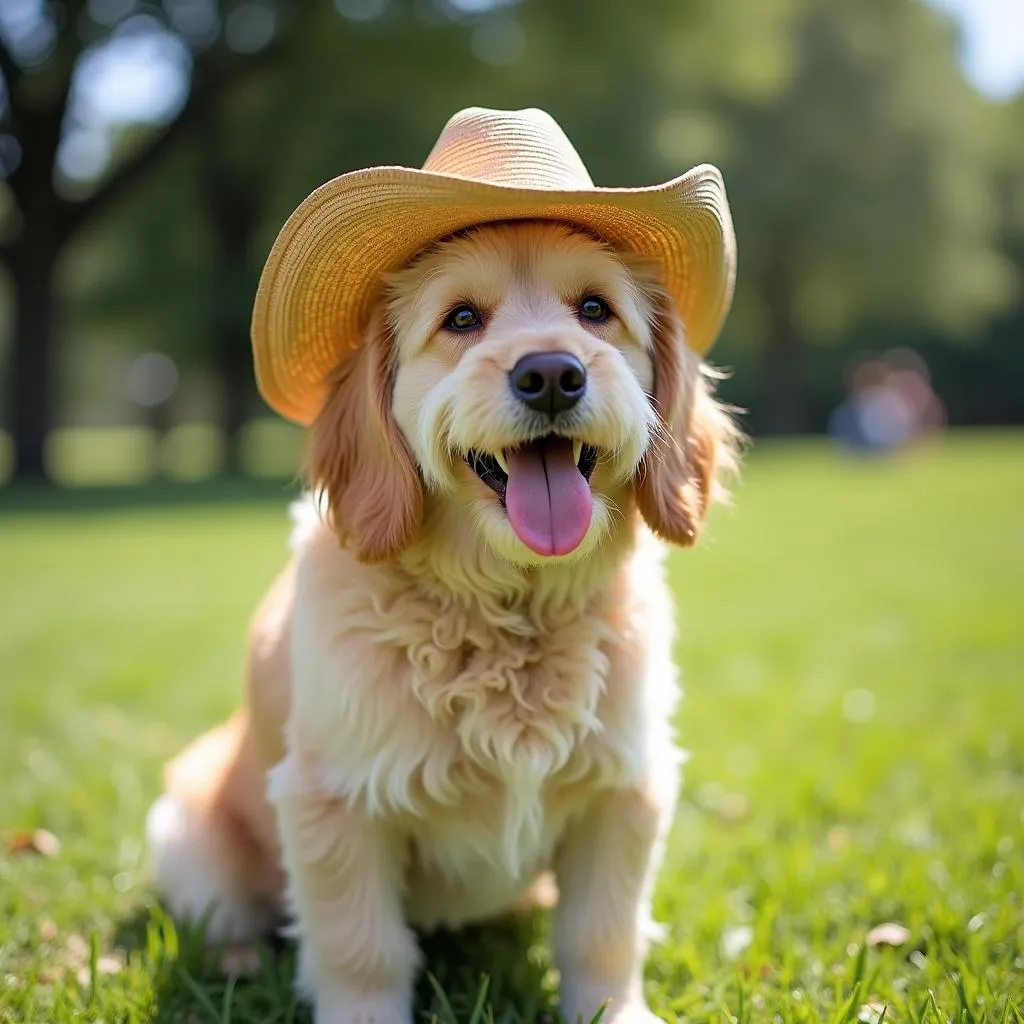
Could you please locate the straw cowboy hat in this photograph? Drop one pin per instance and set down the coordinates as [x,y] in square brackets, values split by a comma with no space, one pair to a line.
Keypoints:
[320,279]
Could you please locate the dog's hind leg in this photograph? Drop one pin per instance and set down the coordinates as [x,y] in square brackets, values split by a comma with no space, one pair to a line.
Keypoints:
[212,840]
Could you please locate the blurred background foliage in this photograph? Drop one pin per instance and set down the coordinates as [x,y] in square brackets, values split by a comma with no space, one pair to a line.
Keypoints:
[149,151]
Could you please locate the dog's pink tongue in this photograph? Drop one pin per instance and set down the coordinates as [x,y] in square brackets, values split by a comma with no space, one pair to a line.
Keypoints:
[548,500]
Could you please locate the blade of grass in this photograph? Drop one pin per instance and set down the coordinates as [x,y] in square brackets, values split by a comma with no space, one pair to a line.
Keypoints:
[964,1007]
[229,995]
[94,967]
[848,1011]
[477,1016]
[439,992]
[197,990]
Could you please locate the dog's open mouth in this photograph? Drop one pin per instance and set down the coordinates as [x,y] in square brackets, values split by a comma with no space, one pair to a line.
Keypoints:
[544,486]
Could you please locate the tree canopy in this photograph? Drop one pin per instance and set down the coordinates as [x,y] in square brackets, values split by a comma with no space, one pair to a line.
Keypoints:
[876,195]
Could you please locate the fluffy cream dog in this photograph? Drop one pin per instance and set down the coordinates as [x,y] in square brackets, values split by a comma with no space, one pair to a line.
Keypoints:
[464,677]
[463,681]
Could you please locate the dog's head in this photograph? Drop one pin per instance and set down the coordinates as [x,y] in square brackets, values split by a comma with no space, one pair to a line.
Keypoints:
[530,380]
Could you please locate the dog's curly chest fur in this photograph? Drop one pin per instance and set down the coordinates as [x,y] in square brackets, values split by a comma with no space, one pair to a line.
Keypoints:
[518,720]
[505,719]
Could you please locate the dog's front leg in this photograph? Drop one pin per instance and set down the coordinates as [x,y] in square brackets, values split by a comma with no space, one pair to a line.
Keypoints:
[357,958]
[606,871]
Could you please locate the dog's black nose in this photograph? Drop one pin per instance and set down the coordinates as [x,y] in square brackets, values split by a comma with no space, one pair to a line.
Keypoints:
[549,382]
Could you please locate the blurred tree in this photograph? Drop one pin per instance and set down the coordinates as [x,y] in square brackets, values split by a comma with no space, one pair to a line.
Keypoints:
[863,191]
[414,64]
[48,52]
[859,163]
[259,148]
[230,208]
[999,351]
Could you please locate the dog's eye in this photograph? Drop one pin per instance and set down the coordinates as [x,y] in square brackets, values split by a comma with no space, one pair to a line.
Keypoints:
[463,318]
[594,309]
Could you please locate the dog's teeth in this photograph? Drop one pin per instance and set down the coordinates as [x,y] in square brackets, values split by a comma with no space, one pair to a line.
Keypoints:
[577,451]
[500,459]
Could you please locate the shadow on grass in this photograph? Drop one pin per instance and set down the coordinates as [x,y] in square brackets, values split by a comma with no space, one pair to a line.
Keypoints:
[507,957]
[22,498]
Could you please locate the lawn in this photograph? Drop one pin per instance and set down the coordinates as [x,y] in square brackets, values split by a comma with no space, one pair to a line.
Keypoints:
[852,634]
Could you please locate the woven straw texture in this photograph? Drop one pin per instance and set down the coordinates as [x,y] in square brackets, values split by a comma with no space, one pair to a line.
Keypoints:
[321,277]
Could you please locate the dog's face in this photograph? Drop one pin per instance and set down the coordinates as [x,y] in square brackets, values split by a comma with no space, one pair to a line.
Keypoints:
[524,359]
[534,380]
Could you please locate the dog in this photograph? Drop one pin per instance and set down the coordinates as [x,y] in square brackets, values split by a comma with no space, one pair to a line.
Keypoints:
[480,695]
[462,683]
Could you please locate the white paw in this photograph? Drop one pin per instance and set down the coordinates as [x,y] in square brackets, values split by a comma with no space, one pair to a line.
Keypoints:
[632,1013]
[582,998]
[363,1008]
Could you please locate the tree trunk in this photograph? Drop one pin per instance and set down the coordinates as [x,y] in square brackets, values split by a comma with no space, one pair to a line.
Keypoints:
[231,211]
[786,408]
[32,267]
[233,356]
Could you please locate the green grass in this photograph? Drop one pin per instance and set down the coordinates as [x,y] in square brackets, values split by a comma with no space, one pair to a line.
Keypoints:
[853,640]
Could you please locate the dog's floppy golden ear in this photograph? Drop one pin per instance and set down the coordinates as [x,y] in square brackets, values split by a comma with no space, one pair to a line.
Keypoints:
[360,464]
[696,438]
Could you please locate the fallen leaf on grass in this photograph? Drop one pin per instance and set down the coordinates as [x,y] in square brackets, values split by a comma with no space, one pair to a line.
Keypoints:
[240,961]
[106,964]
[76,951]
[74,959]
[888,934]
[733,807]
[871,1013]
[40,841]
[736,940]
[838,837]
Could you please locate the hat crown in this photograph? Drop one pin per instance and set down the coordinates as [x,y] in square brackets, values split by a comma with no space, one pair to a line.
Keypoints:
[518,148]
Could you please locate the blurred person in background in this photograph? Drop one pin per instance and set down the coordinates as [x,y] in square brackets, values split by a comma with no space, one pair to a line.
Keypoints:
[890,404]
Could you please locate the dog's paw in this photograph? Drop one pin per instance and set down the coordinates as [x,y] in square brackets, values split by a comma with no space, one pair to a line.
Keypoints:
[632,1013]
[582,998]
[346,1007]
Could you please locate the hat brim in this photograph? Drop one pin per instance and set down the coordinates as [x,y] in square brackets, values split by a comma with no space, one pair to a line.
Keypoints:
[320,279]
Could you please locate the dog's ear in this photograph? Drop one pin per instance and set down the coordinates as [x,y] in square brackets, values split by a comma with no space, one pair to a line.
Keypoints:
[360,465]
[696,438]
